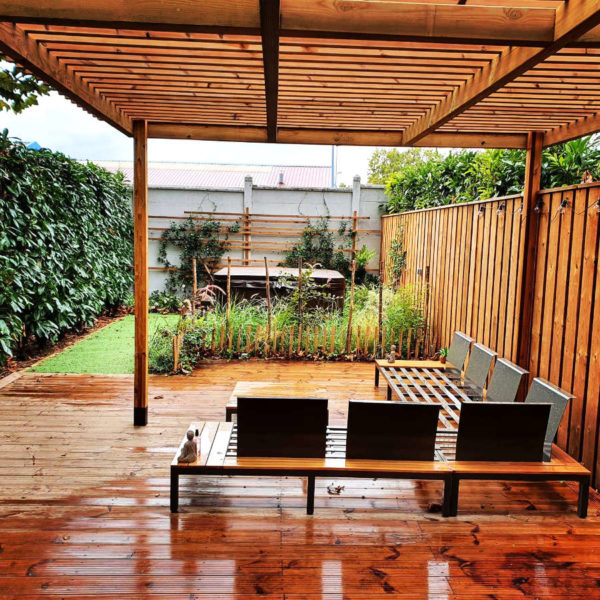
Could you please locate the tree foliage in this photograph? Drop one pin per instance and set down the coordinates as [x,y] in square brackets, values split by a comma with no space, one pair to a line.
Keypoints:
[384,163]
[65,244]
[19,89]
[428,179]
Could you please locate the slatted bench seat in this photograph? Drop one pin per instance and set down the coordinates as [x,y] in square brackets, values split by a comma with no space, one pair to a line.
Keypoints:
[500,441]
[218,444]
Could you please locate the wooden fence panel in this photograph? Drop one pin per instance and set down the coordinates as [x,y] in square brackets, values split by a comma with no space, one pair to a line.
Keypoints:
[474,255]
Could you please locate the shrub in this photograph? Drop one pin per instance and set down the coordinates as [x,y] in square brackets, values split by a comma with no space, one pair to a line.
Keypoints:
[163,302]
[66,245]
[317,246]
[426,179]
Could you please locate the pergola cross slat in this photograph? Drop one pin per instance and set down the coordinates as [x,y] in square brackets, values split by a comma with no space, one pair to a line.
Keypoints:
[437,73]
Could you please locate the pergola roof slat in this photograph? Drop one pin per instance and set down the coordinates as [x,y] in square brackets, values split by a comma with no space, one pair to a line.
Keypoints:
[375,72]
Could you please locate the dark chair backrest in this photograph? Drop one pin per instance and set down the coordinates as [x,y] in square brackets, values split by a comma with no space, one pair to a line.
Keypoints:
[480,361]
[502,431]
[282,427]
[544,391]
[506,382]
[391,430]
[459,349]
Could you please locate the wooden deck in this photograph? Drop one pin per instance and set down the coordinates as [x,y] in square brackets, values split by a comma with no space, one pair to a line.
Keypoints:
[84,509]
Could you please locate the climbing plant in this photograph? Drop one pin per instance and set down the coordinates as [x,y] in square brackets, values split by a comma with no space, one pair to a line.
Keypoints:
[397,256]
[207,241]
[317,245]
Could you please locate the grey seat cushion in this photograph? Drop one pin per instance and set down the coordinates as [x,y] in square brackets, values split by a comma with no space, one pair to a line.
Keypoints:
[459,350]
[506,381]
[478,369]
[544,391]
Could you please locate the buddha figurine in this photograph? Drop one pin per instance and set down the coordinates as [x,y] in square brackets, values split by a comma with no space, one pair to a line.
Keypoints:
[392,355]
[189,452]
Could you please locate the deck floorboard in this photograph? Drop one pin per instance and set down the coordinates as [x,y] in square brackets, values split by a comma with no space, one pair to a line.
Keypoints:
[84,508]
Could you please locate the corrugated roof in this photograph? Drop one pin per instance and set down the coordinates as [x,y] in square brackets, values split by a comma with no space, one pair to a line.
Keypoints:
[196,175]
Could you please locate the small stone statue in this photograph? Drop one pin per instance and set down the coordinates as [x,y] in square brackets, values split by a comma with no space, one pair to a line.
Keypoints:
[189,452]
[392,355]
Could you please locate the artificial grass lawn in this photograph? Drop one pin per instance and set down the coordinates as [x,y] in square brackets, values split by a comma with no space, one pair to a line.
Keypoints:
[108,351]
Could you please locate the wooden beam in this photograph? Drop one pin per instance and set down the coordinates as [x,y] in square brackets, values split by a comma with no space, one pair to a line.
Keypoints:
[191,131]
[473,140]
[573,19]
[269,25]
[139,14]
[528,249]
[289,135]
[140,262]
[375,19]
[578,128]
[35,58]
[353,19]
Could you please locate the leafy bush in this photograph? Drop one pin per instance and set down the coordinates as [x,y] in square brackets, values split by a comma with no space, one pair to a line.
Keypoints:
[431,179]
[163,302]
[65,244]
[317,245]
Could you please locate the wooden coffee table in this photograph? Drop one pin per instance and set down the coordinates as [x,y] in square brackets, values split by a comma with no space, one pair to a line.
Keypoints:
[272,389]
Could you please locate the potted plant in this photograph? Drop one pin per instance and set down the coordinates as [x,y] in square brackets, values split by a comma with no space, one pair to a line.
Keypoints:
[443,355]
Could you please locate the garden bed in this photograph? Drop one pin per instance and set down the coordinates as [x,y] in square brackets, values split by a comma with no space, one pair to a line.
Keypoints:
[294,327]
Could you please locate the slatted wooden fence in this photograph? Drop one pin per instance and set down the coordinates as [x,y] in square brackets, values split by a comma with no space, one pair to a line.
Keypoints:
[473,256]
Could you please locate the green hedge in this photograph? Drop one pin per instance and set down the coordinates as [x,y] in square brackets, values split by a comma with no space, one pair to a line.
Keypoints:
[65,244]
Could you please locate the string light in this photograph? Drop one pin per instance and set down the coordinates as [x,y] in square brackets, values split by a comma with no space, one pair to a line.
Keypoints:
[539,205]
[481,211]
[501,208]
[561,209]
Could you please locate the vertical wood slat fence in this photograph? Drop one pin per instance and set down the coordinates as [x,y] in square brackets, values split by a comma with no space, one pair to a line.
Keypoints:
[475,268]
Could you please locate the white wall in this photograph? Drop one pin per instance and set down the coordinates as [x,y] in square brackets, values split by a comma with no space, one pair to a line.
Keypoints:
[168,203]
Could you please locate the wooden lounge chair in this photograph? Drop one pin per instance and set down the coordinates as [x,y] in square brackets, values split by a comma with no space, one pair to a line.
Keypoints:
[505,441]
[457,356]
[507,381]
[307,449]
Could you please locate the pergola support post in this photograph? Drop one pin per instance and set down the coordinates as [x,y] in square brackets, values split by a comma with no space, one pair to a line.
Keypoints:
[140,251]
[533,176]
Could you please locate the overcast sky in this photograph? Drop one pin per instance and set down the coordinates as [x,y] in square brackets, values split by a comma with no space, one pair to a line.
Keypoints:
[60,125]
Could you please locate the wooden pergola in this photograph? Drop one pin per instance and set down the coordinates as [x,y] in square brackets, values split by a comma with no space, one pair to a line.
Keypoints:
[447,73]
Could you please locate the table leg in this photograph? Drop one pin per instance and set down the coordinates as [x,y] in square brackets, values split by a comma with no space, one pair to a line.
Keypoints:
[174,491]
[389,393]
[584,495]
[310,495]
[454,488]
[376,376]
[447,500]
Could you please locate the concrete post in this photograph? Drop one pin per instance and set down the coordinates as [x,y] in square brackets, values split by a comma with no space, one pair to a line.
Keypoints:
[248,193]
[355,195]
